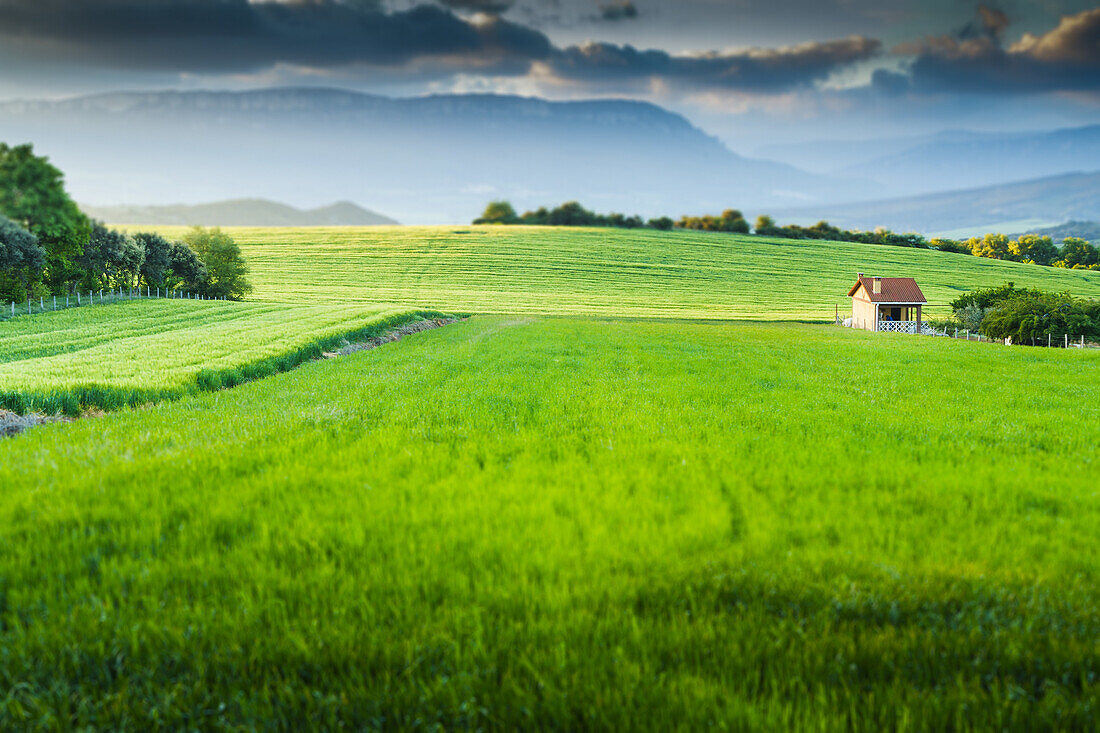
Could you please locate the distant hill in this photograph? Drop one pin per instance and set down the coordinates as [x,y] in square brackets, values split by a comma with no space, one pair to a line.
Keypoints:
[991,208]
[241,213]
[1087,230]
[949,159]
[436,159]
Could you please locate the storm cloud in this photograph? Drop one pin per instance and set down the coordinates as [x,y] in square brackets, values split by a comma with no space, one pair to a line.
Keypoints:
[1066,58]
[228,36]
[751,70]
[237,35]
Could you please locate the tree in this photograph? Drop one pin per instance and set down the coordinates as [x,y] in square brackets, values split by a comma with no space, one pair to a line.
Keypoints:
[498,212]
[1029,315]
[662,223]
[994,246]
[1078,253]
[154,267]
[571,214]
[764,225]
[185,270]
[732,220]
[950,245]
[1033,248]
[225,267]
[109,258]
[32,193]
[21,260]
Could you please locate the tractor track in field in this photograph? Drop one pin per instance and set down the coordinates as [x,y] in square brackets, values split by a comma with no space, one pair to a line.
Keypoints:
[390,336]
[12,423]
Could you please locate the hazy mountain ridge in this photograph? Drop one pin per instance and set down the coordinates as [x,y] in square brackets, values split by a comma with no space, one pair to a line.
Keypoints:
[240,212]
[1050,199]
[424,160]
[950,159]
[1087,230]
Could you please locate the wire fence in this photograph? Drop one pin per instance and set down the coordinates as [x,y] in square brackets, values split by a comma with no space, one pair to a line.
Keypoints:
[1050,340]
[48,304]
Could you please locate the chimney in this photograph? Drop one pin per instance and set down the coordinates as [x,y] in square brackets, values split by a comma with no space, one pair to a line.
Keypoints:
[876,288]
[859,275]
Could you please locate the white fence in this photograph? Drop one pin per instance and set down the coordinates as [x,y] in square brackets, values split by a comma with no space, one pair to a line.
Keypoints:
[898,326]
[73,300]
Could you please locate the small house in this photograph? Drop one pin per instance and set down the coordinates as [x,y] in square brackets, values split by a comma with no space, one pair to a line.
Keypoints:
[887,304]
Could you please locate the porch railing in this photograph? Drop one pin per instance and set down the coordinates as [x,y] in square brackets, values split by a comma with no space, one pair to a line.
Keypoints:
[898,326]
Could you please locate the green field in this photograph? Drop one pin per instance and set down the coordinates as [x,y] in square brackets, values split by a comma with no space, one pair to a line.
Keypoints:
[555,523]
[608,272]
[130,353]
[610,508]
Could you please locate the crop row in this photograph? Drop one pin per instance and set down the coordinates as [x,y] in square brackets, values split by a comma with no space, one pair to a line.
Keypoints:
[144,351]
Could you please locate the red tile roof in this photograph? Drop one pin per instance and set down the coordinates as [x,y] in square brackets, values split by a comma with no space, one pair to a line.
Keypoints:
[894,290]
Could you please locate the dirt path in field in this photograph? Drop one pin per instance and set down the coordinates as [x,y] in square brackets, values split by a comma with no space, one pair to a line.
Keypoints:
[11,423]
[390,336]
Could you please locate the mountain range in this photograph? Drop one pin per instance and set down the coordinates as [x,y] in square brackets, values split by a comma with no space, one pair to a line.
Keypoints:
[239,212]
[951,159]
[435,159]
[1012,207]
[440,159]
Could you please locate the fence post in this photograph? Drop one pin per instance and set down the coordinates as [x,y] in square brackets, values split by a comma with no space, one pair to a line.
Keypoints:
[28,305]
[1067,340]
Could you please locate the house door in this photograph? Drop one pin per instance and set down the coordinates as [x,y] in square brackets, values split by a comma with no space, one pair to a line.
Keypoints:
[895,314]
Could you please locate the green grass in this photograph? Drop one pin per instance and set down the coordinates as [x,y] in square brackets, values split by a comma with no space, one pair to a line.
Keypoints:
[131,353]
[608,272]
[516,523]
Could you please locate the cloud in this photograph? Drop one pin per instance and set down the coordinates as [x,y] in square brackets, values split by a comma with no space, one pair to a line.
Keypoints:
[752,70]
[1065,59]
[990,23]
[492,7]
[238,35]
[242,37]
[621,10]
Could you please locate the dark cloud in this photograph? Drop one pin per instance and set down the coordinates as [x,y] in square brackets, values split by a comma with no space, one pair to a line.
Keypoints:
[229,36]
[889,82]
[990,23]
[1066,58]
[494,7]
[237,35]
[753,70]
[622,10]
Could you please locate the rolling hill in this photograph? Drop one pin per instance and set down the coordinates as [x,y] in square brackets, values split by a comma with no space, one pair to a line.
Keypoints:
[607,272]
[240,212]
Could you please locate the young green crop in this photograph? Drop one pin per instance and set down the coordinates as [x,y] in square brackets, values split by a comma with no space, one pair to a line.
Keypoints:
[518,523]
[144,351]
[609,272]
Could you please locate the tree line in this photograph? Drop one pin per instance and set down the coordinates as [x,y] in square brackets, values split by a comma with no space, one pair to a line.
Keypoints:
[1040,250]
[1027,315]
[49,247]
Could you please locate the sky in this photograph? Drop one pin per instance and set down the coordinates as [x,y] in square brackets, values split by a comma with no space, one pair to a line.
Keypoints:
[753,72]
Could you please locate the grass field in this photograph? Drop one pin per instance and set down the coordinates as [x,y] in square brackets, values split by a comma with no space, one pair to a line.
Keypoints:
[558,523]
[608,272]
[549,521]
[129,353]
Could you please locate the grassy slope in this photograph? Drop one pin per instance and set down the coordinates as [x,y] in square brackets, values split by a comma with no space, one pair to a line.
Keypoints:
[607,271]
[133,352]
[584,524]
